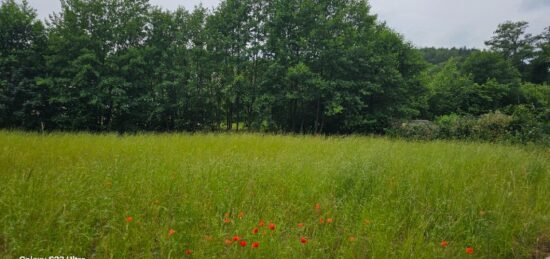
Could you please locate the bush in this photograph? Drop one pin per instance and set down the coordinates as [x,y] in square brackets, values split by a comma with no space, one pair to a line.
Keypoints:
[530,125]
[416,129]
[524,125]
[494,126]
[454,126]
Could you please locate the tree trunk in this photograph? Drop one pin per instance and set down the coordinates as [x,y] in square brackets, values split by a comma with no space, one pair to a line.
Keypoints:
[316,126]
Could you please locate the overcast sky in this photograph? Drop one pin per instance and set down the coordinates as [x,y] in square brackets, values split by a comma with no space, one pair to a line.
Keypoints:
[440,23]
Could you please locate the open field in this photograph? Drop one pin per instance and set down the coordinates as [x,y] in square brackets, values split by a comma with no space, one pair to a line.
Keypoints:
[73,194]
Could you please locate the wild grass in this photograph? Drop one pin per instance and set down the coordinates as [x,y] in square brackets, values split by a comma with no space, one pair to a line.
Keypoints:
[71,194]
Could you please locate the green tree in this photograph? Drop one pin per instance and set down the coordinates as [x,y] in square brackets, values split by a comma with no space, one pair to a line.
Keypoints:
[540,69]
[23,102]
[487,65]
[450,91]
[511,40]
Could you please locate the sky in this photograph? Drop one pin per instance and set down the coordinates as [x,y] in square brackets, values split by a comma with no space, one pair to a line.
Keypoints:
[425,23]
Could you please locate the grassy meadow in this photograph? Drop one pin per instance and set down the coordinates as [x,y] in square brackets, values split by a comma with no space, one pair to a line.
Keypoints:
[183,195]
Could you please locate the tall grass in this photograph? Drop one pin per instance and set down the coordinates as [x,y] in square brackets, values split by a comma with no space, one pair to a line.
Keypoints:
[71,194]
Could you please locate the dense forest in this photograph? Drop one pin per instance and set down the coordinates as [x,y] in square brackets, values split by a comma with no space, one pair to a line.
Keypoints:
[309,66]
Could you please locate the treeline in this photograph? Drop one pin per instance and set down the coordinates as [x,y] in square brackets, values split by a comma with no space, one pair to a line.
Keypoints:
[436,56]
[501,93]
[313,66]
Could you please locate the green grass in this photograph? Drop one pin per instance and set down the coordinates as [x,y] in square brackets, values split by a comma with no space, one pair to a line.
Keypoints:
[70,194]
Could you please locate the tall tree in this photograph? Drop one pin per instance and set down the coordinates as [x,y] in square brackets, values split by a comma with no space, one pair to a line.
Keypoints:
[511,40]
[487,65]
[540,69]
[23,103]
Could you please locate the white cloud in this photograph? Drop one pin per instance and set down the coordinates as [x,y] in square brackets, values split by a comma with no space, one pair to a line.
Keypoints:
[450,23]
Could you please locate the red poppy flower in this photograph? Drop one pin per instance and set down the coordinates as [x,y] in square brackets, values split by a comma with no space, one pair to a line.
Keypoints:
[255,245]
[271,226]
[444,244]
[469,250]
[303,240]
[329,220]
[188,252]
[243,243]
[300,225]
[236,238]
[321,221]
[129,219]
[228,242]
[255,231]
[261,223]
[226,220]
[171,232]
[241,215]
[318,206]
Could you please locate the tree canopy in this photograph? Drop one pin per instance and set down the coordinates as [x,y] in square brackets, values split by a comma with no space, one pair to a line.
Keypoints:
[308,66]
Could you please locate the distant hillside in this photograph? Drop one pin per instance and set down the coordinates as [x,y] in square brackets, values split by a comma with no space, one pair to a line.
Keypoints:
[440,55]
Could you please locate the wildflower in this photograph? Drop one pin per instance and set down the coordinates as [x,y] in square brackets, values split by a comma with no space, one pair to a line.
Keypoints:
[255,245]
[444,244]
[300,225]
[303,240]
[469,250]
[226,220]
[241,215]
[271,226]
[228,242]
[243,243]
[129,219]
[236,238]
[318,206]
[188,252]
[255,231]
[261,223]
[171,232]
[329,220]
[321,221]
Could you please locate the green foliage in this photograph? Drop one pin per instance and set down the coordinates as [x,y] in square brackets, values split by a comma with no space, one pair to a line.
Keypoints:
[23,103]
[452,91]
[486,65]
[511,40]
[293,66]
[454,126]
[417,130]
[319,67]
[437,56]
[492,126]
[540,65]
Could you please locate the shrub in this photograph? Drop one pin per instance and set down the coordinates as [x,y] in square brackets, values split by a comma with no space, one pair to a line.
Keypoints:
[530,125]
[492,126]
[417,129]
[454,126]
